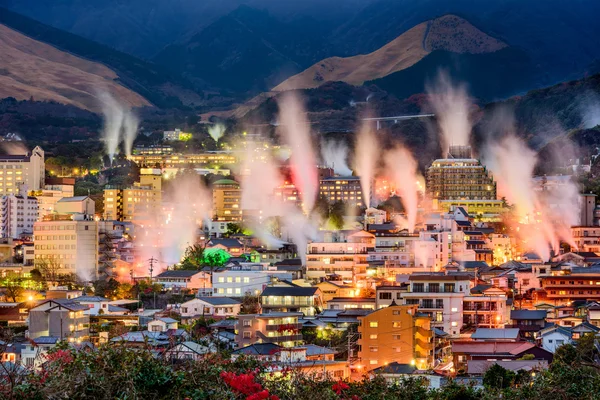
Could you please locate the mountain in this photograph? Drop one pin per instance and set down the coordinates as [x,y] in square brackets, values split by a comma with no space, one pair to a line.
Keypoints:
[34,69]
[247,50]
[152,82]
[449,33]
[561,37]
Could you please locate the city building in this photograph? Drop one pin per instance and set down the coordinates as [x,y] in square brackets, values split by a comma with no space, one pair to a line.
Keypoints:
[586,238]
[581,283]
[17,215]
[227,200]
[460,180]
[440,297]
[345,259]
[176,136]
[346,189]
[280,328]
[291,298]
[331,289]
[249,279]
[54,190]
[587,208]
[141,201]
[219,307]
[158,149]
[61,318]
[386,294]
[466,351]
[394,334]
[75,205]
[67,244]
[211,159]
[22,172]
[184,279]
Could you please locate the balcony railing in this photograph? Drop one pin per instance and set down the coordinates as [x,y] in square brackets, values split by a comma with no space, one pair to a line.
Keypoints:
[278,339]
[278,327]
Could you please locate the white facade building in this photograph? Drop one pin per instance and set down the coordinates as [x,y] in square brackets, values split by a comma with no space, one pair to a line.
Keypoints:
[18,214]
[250,279]
[22,172]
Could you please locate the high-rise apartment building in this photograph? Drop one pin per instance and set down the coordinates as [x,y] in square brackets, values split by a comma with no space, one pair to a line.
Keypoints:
[17,215]
[138,202]
[342,188]
[22,172]
[227,200]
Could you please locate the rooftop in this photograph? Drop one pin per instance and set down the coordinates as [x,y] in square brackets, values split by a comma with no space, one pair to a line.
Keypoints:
[180,273]
[507,333]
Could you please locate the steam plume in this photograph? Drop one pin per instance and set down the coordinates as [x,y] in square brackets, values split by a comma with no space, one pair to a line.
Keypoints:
[216,131]
[451,105]
[296,134]
[403,169]
[130,128]
[119,124]
[334,156]
[366,153]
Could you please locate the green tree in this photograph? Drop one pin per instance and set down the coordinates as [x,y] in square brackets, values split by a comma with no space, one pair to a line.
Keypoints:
[498,377]
[193,257]
[233,229]
[336,214]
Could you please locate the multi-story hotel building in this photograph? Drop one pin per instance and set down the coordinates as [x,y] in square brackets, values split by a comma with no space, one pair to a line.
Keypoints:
[181,161]
[22,172]
[227,200]
[342,188]
[462,180]
[67,244]
[581,283]
[54,190]
[140,201]
[394,334]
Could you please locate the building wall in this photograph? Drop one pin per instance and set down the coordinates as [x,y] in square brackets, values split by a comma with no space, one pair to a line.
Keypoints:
[345,189]
[554,340]
[17,215]
[253,328]
[72,245]
[227,200]
[455,179]
[393,334]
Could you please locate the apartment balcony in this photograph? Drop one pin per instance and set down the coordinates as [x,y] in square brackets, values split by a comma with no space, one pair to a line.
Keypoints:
[470,308]
[280,327]
[288,303]
[278,338]
[431,307]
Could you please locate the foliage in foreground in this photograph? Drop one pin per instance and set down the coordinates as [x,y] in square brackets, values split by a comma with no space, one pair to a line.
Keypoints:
[115,372]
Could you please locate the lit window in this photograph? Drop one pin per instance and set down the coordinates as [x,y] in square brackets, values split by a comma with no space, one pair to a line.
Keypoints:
[372,336]
[373,324]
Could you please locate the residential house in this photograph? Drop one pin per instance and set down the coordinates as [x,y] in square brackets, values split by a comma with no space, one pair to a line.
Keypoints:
[189,351]
[496,335]
[246,279]
[394,334]
[33,354]
[98,305]
[281,328]
[528,321]
[485,306]
[184,279]
[291,299]
[554,336]
[465,351]
[162,324]
[220,307]
[60,318]
[232,246]
[331,289]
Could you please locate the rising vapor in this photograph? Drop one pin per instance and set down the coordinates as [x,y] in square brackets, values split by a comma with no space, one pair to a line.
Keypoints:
[335,155]
[402,167]
[365,155]
[119,124]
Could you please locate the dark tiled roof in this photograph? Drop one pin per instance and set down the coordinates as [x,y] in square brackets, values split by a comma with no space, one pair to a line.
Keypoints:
[528,314]
[396,368]
[475,264]
[225,242]
[258,349]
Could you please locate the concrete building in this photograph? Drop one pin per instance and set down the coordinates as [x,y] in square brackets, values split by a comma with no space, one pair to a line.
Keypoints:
[346,259]
[22,172]
[440,297]
[220,307]
[139,202]
[249,279]
[227,200]
[394,334]
[54,190]
[61,318]
[67,244]
[182,161]
[280,328]
[287,298]
[587,207]
[17,215]
[580,284]
[184,279]
[485,307]
[75,205]
[586,238]
[346,189]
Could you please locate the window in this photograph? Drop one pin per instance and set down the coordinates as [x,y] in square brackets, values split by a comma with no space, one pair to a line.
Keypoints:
[427,303]
[454,309]
[373,324]
[397,349]
[247,322]
[247,335]
[396,324]
[373,349]
[373,337]
[385,296]
[396,312]
[418,287]
[439,303]
[373,362]
[396,337]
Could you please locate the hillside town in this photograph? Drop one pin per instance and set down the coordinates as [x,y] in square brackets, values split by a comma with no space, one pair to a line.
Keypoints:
[441,288]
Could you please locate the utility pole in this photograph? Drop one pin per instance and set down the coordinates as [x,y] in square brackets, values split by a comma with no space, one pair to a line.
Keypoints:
[151,261]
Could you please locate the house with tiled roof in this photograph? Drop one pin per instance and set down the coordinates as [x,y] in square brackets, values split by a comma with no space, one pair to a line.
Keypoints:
[464,351]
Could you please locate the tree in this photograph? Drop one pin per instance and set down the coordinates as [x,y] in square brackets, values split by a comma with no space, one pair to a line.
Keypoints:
[193,257]
[250,304]
[233,229]
[14,286]
[336,215]
[498,377]
[50,268]
[106,288]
